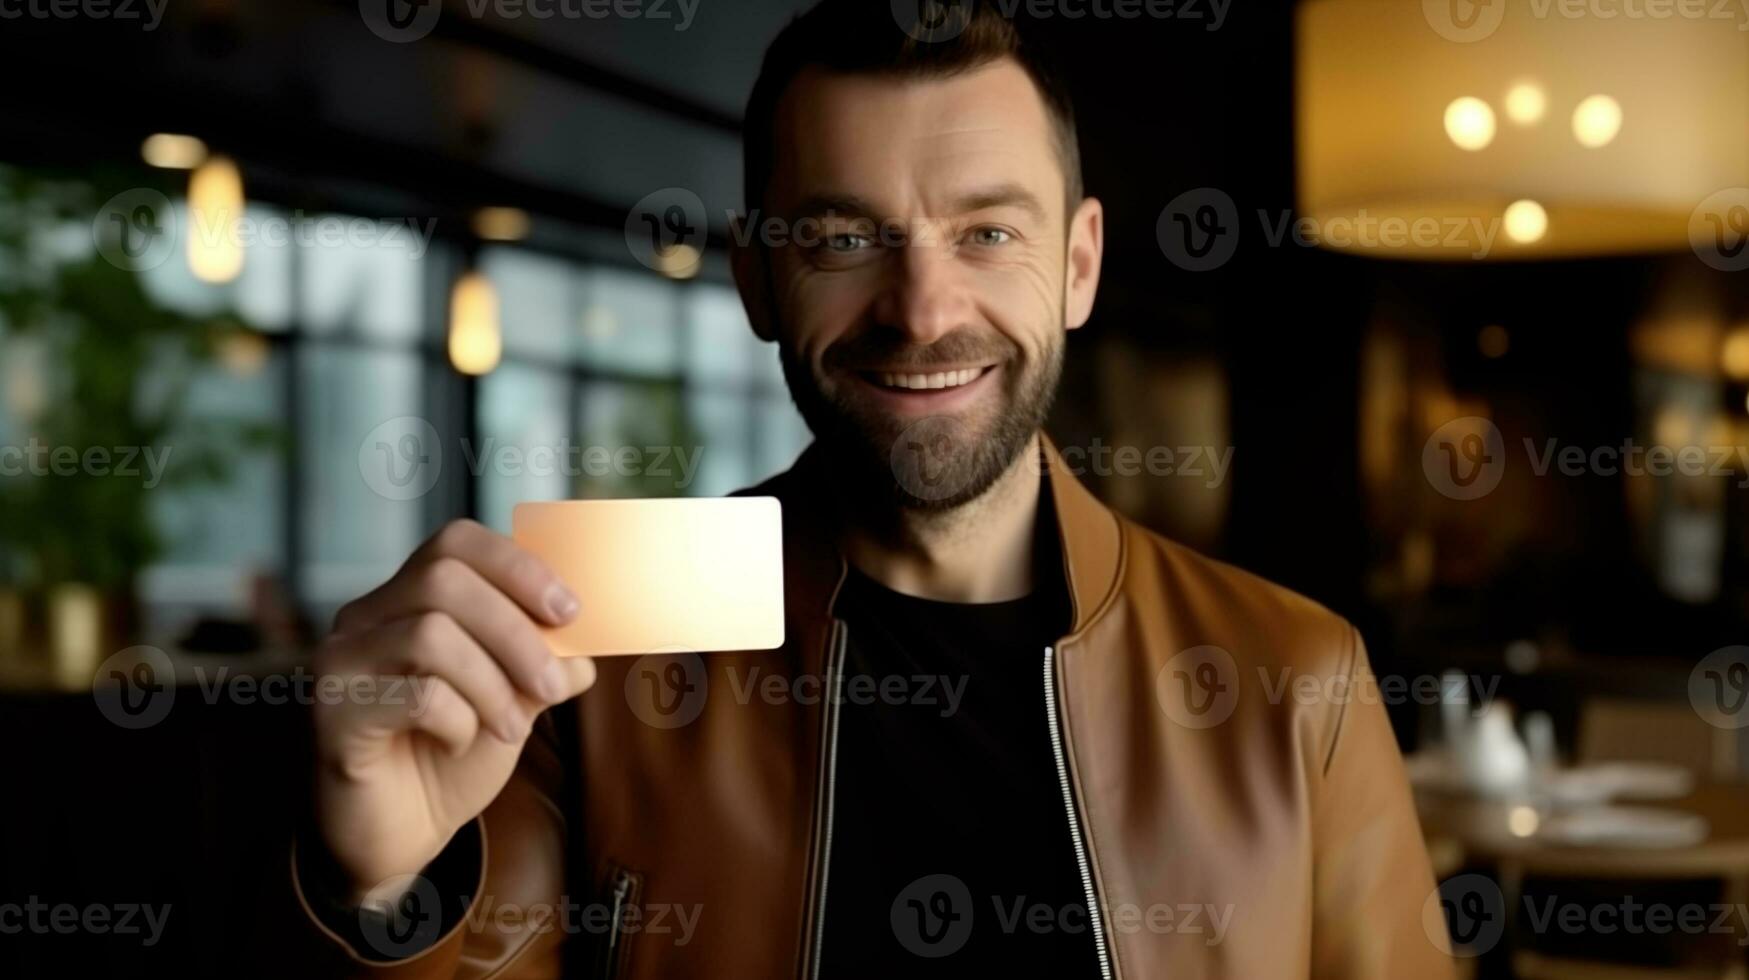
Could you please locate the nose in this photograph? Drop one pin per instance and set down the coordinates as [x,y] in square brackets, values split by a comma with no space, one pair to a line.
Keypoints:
[925,297]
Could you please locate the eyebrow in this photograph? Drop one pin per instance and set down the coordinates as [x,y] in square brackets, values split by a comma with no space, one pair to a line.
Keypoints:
[852,206]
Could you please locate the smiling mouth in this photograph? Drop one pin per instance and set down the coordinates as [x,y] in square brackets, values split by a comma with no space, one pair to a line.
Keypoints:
[925,381]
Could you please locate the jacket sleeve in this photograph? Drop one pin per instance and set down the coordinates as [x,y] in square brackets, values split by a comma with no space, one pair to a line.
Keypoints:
[501,924]
[1372,877]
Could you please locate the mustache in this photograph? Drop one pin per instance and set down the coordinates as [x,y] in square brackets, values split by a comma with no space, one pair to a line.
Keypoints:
[891,349]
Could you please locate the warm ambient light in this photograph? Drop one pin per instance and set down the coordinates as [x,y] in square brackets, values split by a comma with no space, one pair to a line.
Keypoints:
[1526,103]
[1523,821]
[173,152]
[1597,121]
[1526,222]
[1734,358]
[215,206]
[501,224]
[1470,123]
[1372,79]
[678,261]
[475,341]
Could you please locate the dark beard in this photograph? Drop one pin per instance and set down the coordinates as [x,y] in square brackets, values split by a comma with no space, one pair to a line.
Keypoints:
[933,464]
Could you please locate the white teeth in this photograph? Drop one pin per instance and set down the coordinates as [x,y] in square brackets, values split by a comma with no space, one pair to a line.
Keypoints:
[940,379]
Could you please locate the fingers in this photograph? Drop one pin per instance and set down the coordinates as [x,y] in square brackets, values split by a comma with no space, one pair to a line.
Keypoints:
[428,647]
[513,570]
[509,569]
[451,586]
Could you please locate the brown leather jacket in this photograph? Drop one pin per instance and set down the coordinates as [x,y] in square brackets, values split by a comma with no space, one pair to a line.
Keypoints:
[1238,826]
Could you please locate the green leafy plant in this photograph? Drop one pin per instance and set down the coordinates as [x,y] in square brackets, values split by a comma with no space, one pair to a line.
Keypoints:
[89,362]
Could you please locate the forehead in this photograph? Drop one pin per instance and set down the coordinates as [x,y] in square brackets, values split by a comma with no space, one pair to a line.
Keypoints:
[892,139]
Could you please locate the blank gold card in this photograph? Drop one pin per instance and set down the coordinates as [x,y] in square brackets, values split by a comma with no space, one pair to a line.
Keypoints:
[662,576]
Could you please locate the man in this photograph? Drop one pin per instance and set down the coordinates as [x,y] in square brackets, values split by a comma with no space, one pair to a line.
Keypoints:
[1067,759]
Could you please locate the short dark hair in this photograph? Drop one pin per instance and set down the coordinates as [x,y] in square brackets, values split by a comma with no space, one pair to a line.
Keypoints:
[866,37]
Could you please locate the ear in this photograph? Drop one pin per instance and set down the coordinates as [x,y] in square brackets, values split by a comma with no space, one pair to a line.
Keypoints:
[1086,248]
[747,261]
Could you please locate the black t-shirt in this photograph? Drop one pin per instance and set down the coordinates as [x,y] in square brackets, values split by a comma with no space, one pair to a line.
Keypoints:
[950,853]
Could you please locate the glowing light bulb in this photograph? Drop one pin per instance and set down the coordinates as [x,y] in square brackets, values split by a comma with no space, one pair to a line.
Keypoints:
[1526,103]
[172,151]
[475,340]
[1526,222]
[1470,123]
[1596,121]
[215,206]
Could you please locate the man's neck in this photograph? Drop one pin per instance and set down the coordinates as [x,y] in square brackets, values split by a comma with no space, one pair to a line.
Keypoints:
[981,551]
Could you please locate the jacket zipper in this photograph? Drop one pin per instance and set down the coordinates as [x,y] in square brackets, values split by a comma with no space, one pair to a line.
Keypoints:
[622,890]
[1081,859]
[828,777]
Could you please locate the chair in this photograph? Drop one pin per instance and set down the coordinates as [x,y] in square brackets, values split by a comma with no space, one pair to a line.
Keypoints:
[1656,731]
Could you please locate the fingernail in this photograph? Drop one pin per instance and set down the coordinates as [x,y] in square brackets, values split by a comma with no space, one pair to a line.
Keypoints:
[561,603]
[552,682]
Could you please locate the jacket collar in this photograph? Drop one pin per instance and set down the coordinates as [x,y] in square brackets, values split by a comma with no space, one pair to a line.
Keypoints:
[1087,531]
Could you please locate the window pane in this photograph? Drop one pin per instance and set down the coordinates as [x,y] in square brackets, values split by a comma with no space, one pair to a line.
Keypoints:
[720,345]
[538,303]
[632,433]
[524,451]
[721,419]
[354,535]
[629,323]
[220,534]
[359,279]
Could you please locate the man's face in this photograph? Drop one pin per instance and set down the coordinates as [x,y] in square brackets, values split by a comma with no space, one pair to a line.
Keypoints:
[918,296]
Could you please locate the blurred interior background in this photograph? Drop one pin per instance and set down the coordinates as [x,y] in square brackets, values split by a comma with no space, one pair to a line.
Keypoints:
[475,201]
